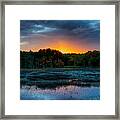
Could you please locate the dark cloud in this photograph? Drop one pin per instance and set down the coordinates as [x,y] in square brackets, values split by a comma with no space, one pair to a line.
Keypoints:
[81,30]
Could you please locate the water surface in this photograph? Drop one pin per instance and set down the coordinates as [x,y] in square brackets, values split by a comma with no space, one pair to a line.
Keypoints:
[60,84]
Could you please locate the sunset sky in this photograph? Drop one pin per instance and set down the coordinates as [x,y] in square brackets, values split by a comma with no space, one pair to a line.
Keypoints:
[67,36]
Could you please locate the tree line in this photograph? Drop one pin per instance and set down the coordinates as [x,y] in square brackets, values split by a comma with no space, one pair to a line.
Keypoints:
[49,58]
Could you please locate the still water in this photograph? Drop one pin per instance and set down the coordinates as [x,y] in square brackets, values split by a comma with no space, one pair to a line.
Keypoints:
[60,84]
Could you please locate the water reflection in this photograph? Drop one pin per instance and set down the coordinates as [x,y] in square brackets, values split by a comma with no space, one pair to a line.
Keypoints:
[60,93]
[60,84]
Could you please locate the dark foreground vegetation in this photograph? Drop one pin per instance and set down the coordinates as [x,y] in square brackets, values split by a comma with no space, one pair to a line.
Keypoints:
[48,58]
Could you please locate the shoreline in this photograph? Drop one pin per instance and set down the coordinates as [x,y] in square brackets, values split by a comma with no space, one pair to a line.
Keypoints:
[62,68]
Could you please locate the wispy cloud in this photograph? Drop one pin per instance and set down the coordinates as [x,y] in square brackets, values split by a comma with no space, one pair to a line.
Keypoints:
[23,43]
[42,29]
[79,31]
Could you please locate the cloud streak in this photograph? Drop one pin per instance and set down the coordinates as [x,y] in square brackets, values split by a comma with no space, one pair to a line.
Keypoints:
[86,32]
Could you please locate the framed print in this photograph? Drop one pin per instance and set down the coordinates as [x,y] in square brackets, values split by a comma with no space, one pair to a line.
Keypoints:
[60,59]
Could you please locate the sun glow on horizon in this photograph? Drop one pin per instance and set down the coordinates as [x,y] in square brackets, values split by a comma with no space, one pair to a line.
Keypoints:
[66,36]
[64,51]
[66,47]
[61,45]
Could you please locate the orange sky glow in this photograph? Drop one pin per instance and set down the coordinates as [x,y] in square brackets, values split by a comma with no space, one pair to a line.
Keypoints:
[67,36]
[61,45]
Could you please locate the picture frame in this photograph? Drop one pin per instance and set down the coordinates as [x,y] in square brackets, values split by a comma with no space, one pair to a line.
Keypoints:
[3,68]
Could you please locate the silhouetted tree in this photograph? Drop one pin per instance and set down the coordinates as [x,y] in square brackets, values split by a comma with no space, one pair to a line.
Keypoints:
[53,58]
